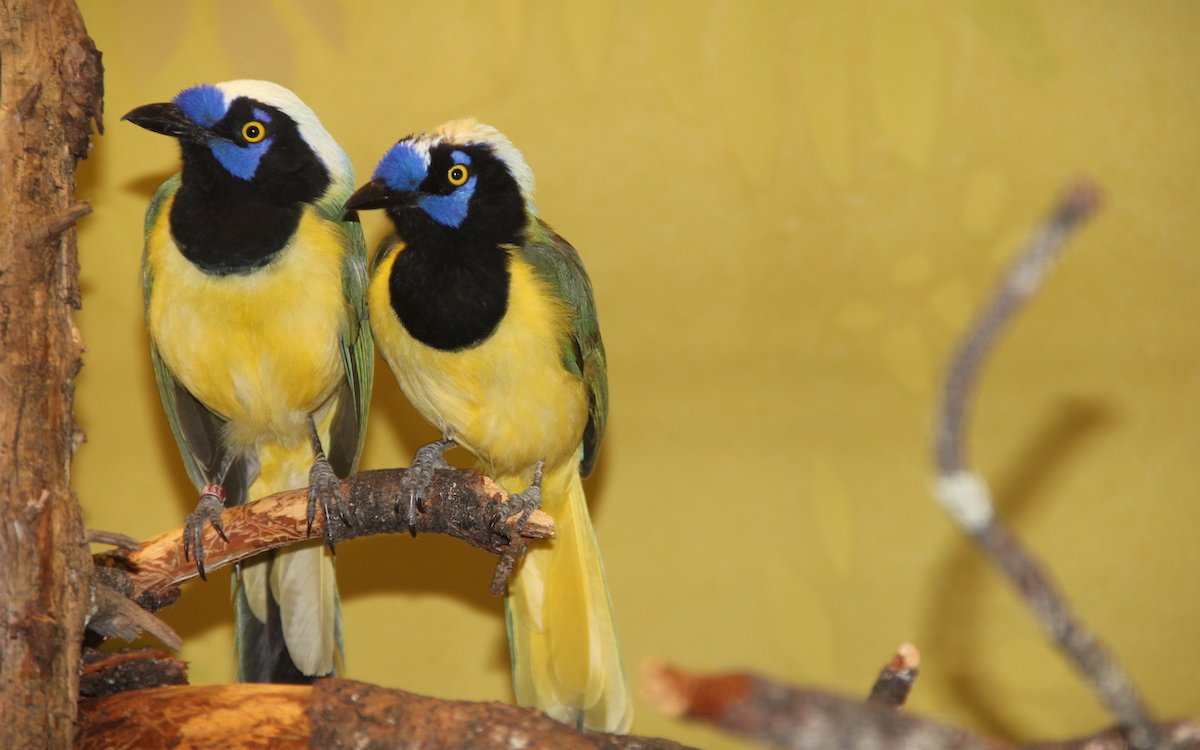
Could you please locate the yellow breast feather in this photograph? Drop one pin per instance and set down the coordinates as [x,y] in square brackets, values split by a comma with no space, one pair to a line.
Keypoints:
[481,396]
[260,349]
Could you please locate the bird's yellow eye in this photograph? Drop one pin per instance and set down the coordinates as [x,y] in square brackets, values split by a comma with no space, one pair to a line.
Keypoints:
[254,131]
[458,175]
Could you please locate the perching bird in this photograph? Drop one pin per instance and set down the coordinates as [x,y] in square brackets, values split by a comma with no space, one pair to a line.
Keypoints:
[486,318]
[255,299]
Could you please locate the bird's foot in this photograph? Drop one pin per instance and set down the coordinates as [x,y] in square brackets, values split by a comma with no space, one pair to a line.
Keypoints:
[208,509]
[524,502]
[418,477]
[325,489]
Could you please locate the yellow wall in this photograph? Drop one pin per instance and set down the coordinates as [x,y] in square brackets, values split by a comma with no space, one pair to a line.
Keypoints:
[788,212]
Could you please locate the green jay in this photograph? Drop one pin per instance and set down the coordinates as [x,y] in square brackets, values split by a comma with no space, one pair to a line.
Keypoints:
[254,289]
[487,319]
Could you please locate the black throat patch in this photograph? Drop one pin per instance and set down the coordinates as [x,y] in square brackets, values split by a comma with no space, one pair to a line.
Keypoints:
[450,285]
[229,230]
[227,225]
[449,295]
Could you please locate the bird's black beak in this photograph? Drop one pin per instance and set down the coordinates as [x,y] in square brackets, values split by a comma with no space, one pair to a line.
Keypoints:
[168,119]
[376,194]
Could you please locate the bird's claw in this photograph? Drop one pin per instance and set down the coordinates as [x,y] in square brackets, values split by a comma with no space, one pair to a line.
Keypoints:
[524,502]
[208,509]
[325,489]
[415,483]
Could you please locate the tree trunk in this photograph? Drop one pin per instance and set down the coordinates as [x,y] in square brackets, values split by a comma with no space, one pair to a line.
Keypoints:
[50,90]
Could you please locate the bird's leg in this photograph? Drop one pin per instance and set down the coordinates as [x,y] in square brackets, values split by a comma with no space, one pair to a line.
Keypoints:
[323,487]
[417,478]
[209,507]
[524,502]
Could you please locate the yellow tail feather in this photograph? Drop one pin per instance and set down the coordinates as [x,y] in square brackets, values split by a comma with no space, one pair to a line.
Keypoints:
[563,642]
[300,579]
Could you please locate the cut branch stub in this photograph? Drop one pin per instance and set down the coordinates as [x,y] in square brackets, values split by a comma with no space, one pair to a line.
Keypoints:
[896,679]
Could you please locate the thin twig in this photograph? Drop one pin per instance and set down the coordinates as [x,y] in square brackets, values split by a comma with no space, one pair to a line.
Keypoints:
[111,538]
[966,497]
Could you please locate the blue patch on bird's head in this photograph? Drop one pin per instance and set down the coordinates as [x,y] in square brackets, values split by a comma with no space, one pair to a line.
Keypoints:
[403,167]
[239,161]
[203,104]
[449,210]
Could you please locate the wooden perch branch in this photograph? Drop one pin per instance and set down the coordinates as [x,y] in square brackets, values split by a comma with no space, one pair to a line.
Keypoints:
[463,504]
[800,718]
[331,714]
[1178,735]
[761,709]
[965,495]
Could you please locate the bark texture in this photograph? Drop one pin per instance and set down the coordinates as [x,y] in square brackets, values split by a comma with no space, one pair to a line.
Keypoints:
[461,503]
[331,714]
[50,91]
[805,718]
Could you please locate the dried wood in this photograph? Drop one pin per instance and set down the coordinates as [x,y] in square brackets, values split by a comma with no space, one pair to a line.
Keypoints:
[50,92]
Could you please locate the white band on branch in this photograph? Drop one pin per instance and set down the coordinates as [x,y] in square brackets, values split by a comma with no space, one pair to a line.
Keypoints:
[966,498]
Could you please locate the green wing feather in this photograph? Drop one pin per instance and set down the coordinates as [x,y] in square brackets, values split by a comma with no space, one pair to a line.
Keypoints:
[162,375]
[197,430]
[556,262]
[358,350]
